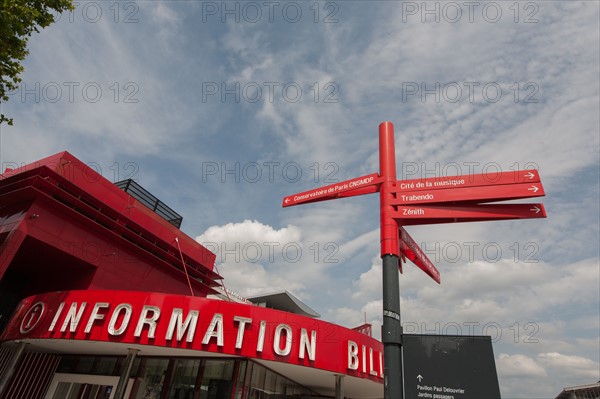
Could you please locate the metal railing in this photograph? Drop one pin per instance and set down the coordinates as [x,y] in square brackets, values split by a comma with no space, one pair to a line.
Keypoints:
[138,192]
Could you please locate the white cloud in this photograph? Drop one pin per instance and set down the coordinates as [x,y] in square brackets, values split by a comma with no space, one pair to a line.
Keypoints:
[574,366]
[249,279]
[546,373]
[256,258]
[352,317]
[518,366]
[544,287]
[250,231]
[369,282]
[167,22]
[505,290]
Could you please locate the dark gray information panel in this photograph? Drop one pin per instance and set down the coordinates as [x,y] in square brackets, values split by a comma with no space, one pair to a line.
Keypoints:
[449,367]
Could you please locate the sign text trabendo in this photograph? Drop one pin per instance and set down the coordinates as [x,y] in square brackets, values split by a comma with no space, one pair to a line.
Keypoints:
[467,198]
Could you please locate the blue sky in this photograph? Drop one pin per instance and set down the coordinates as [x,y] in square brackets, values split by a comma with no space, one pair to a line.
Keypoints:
[221,109]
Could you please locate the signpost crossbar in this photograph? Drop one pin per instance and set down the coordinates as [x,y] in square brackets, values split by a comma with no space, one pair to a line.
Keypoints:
[349,188]
[472,180]
[480,212]
[477,194]
[412,251]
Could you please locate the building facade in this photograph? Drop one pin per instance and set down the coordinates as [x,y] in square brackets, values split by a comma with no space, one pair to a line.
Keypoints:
[103,296]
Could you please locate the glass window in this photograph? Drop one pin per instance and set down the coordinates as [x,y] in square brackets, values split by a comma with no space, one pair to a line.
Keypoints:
[280,384]
[243,379]
[67,364]
[105,365]
[150,379]
[217,381]
[61,390]
[267,384]
[258,381]
[183,380]
[76,391]
[135,368]
[94,365]
[85,365]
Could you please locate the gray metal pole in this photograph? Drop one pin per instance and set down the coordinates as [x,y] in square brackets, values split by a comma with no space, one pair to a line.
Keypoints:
[124,377]
[392,330]
[339,386]
[11,367]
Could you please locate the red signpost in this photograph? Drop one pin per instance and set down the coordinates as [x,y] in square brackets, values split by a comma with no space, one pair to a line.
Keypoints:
[415,254]
[474,180]
[347,187]
[424,201]
[446,214]
[471,194]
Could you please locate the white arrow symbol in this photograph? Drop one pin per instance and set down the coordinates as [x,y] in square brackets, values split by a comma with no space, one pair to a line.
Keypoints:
[287,200]
[533,188]
[535,209]
[419,377]
[530,175]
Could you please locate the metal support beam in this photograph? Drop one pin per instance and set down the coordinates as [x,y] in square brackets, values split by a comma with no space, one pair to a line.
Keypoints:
[124,377]
[339,386]
[392,330]
[393,379]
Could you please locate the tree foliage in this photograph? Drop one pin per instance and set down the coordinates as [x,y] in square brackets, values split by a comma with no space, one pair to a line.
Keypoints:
[19,19]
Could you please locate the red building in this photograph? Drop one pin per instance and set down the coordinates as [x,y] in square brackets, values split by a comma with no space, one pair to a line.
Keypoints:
[102,296]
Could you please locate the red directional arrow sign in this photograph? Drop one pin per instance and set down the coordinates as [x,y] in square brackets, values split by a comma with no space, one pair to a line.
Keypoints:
[471,194]
[424,201]
[432,200]
[410,249]
[428,214]
[474,180]
[348,188]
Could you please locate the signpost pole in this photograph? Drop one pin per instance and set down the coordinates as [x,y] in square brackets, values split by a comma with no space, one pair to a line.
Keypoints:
[423,201]
[392,328]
